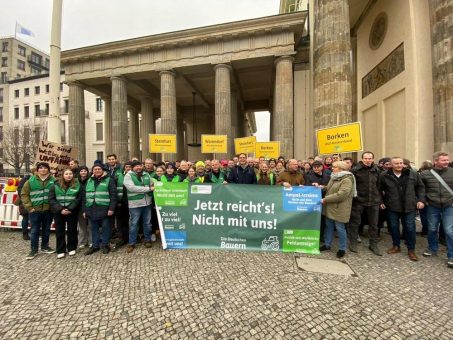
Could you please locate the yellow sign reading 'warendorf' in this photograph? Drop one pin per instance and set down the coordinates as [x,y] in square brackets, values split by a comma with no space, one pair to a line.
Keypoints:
[267,150]
[340,138]
[162,143]
[244,145]
[214,144]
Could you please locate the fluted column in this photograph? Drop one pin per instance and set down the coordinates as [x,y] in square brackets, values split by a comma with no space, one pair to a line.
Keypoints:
[119,118]
[223,102]
[442,66]
[134,136]
[283,116]
[107,125]
[147,126]
[76,124]
[234,121]
[332,64]
[168,106]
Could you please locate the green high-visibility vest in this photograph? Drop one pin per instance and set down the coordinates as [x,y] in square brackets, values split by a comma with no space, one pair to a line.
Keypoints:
[271,177]
[175,179]
[98,195]
[220,179]
[119,186]
[144,182]
[66,197]
[39,194]
[196,180]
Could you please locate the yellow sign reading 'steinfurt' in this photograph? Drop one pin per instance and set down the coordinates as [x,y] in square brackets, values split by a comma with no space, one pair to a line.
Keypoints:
[267,150]
[214,144]
[162,143]
[338,139]
[244,145]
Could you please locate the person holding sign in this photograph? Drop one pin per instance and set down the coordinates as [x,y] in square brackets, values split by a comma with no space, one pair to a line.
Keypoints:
[337,205]
[139,187]
[292,176]
[98,203]
[64,199]
[216,175]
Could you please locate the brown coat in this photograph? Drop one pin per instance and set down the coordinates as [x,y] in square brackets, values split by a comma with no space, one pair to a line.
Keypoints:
[293,178]
[338,200]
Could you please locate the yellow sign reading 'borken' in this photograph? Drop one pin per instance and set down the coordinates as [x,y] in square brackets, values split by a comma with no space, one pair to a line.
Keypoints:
[214,144]
[340,138]
[159,143]
[267,150]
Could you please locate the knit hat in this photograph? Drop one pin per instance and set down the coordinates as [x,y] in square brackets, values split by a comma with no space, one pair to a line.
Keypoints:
[316,163]
[99,165]
[199,164]
[171,165]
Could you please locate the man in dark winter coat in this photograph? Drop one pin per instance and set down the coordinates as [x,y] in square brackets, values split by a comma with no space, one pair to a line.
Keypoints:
[368,200]
[242,173]
[403,193]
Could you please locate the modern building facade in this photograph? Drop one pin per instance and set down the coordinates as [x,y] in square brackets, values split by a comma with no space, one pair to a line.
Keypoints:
[384,63]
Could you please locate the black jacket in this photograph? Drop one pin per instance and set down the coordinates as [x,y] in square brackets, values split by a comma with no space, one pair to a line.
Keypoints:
[312,177]
[436,195]
[402,194]
[241,175]
[367,183]
[98,212]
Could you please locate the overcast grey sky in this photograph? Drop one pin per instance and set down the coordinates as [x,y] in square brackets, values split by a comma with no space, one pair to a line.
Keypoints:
[91,22]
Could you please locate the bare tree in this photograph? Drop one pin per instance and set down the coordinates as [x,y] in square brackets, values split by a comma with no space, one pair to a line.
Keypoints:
[20,142]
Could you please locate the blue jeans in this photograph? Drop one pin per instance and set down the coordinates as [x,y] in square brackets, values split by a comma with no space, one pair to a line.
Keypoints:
[435,216]
[40,220]
[24,224]
[328,233]
[103,224]
[408,222]
[136,213]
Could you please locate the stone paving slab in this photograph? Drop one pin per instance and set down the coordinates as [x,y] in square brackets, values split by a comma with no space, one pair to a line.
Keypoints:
[201,294]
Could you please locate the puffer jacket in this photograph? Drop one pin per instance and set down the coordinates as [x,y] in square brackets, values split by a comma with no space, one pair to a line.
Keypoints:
[404,197]
[436,195]
[338,199]
[367,182]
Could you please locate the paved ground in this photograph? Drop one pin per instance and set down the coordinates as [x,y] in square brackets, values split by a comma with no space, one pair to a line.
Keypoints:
[154,293]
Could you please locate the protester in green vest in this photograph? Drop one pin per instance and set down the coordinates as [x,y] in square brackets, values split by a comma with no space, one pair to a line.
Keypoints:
[191,176]
[35,198]
[160,172]
[264,176]
[64,199]
[170,175]
[139,187]
[216,175]
[122,209]
[98,204]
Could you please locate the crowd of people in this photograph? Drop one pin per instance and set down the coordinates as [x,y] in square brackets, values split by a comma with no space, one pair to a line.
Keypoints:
[113,203]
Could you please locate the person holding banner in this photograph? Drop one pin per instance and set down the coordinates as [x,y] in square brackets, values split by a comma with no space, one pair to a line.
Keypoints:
[35,198]
[192,176]
[139,187]
[122,208]
[242,173]
[170,175]
[264,176]
[64,199]
[337,206]
[216,175]
[98,204]
[292,176]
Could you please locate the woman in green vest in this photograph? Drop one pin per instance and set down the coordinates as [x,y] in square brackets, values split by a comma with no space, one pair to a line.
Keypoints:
[64,199]
[192,176]
[170,175]
[264,176]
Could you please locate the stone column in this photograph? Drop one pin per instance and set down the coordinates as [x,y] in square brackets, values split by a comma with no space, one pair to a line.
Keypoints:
[223,102]
[168,107]
[234,122]
[119,118]
[442,61]
[332,98]
[107,126]
[76,121]
[283,115]
[147,126]
[134,136]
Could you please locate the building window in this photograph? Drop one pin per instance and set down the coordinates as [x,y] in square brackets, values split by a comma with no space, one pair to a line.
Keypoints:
[99,104]
[16,93]
[1,114]
[4,61]
[100,155]
[3,78]
[99,131]
[35,70]
[63,131]
[47,109]
[61,87]
[5,47]
[66,106]
[26,111]
[37,90]
[26,135]
[26,92]
[37,135]
[36,58]
[21,50]
[37,110]
[16,113]
[47,63]
[47,88]
[1,95]
[20,65]
[1,136]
